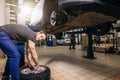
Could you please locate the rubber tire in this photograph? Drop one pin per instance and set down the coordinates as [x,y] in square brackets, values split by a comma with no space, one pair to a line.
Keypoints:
[61,17]
[45,75]
[64,43]
[103,29]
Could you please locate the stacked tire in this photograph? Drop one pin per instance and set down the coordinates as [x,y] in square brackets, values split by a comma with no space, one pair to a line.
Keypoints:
[27,74]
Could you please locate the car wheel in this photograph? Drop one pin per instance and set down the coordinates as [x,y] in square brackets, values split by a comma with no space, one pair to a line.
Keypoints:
[58,18]
[101,29]
[64,43]
[31,74]
[53,16]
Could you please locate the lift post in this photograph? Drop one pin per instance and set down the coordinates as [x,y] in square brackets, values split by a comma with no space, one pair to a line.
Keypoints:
[90,54]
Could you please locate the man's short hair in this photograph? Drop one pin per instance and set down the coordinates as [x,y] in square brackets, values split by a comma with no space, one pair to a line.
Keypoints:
[43,32]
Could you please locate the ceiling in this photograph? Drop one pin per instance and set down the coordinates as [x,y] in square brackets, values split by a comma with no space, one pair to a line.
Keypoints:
[30,3]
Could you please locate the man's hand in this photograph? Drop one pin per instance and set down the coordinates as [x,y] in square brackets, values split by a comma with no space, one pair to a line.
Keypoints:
[38,68]
[28,64]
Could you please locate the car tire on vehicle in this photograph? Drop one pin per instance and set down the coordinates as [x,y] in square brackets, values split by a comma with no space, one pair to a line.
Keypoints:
[28,74]
[53,16]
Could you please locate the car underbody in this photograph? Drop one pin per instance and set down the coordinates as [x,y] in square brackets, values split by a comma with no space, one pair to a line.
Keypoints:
[65,15]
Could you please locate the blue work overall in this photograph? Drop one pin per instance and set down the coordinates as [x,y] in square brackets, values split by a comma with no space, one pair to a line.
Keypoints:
[12,53]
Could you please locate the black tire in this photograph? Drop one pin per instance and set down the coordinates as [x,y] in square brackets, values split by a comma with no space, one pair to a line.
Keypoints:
[101,29]
[52,15]
[44,75]
[64,43]
[58,18]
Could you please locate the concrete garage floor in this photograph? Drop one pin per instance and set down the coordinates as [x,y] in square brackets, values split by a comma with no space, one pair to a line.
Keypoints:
[68,64]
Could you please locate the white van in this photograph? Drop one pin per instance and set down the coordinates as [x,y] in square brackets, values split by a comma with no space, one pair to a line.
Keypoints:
[63,41]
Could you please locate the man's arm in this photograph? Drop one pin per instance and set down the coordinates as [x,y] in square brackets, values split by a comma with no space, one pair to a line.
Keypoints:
[28,55]
[32,51]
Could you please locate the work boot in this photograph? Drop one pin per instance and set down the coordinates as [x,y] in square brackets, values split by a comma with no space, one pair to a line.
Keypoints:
[70,48]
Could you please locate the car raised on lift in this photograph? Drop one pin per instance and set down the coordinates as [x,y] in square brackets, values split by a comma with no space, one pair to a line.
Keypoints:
[61,15]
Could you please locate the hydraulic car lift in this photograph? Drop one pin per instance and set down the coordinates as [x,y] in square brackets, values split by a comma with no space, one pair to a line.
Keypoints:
[90,54]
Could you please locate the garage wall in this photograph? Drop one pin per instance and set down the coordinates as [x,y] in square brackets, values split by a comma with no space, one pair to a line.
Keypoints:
[2,12]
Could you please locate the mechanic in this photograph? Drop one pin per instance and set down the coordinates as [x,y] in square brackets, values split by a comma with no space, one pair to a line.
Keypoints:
[72,41]
[19,32]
